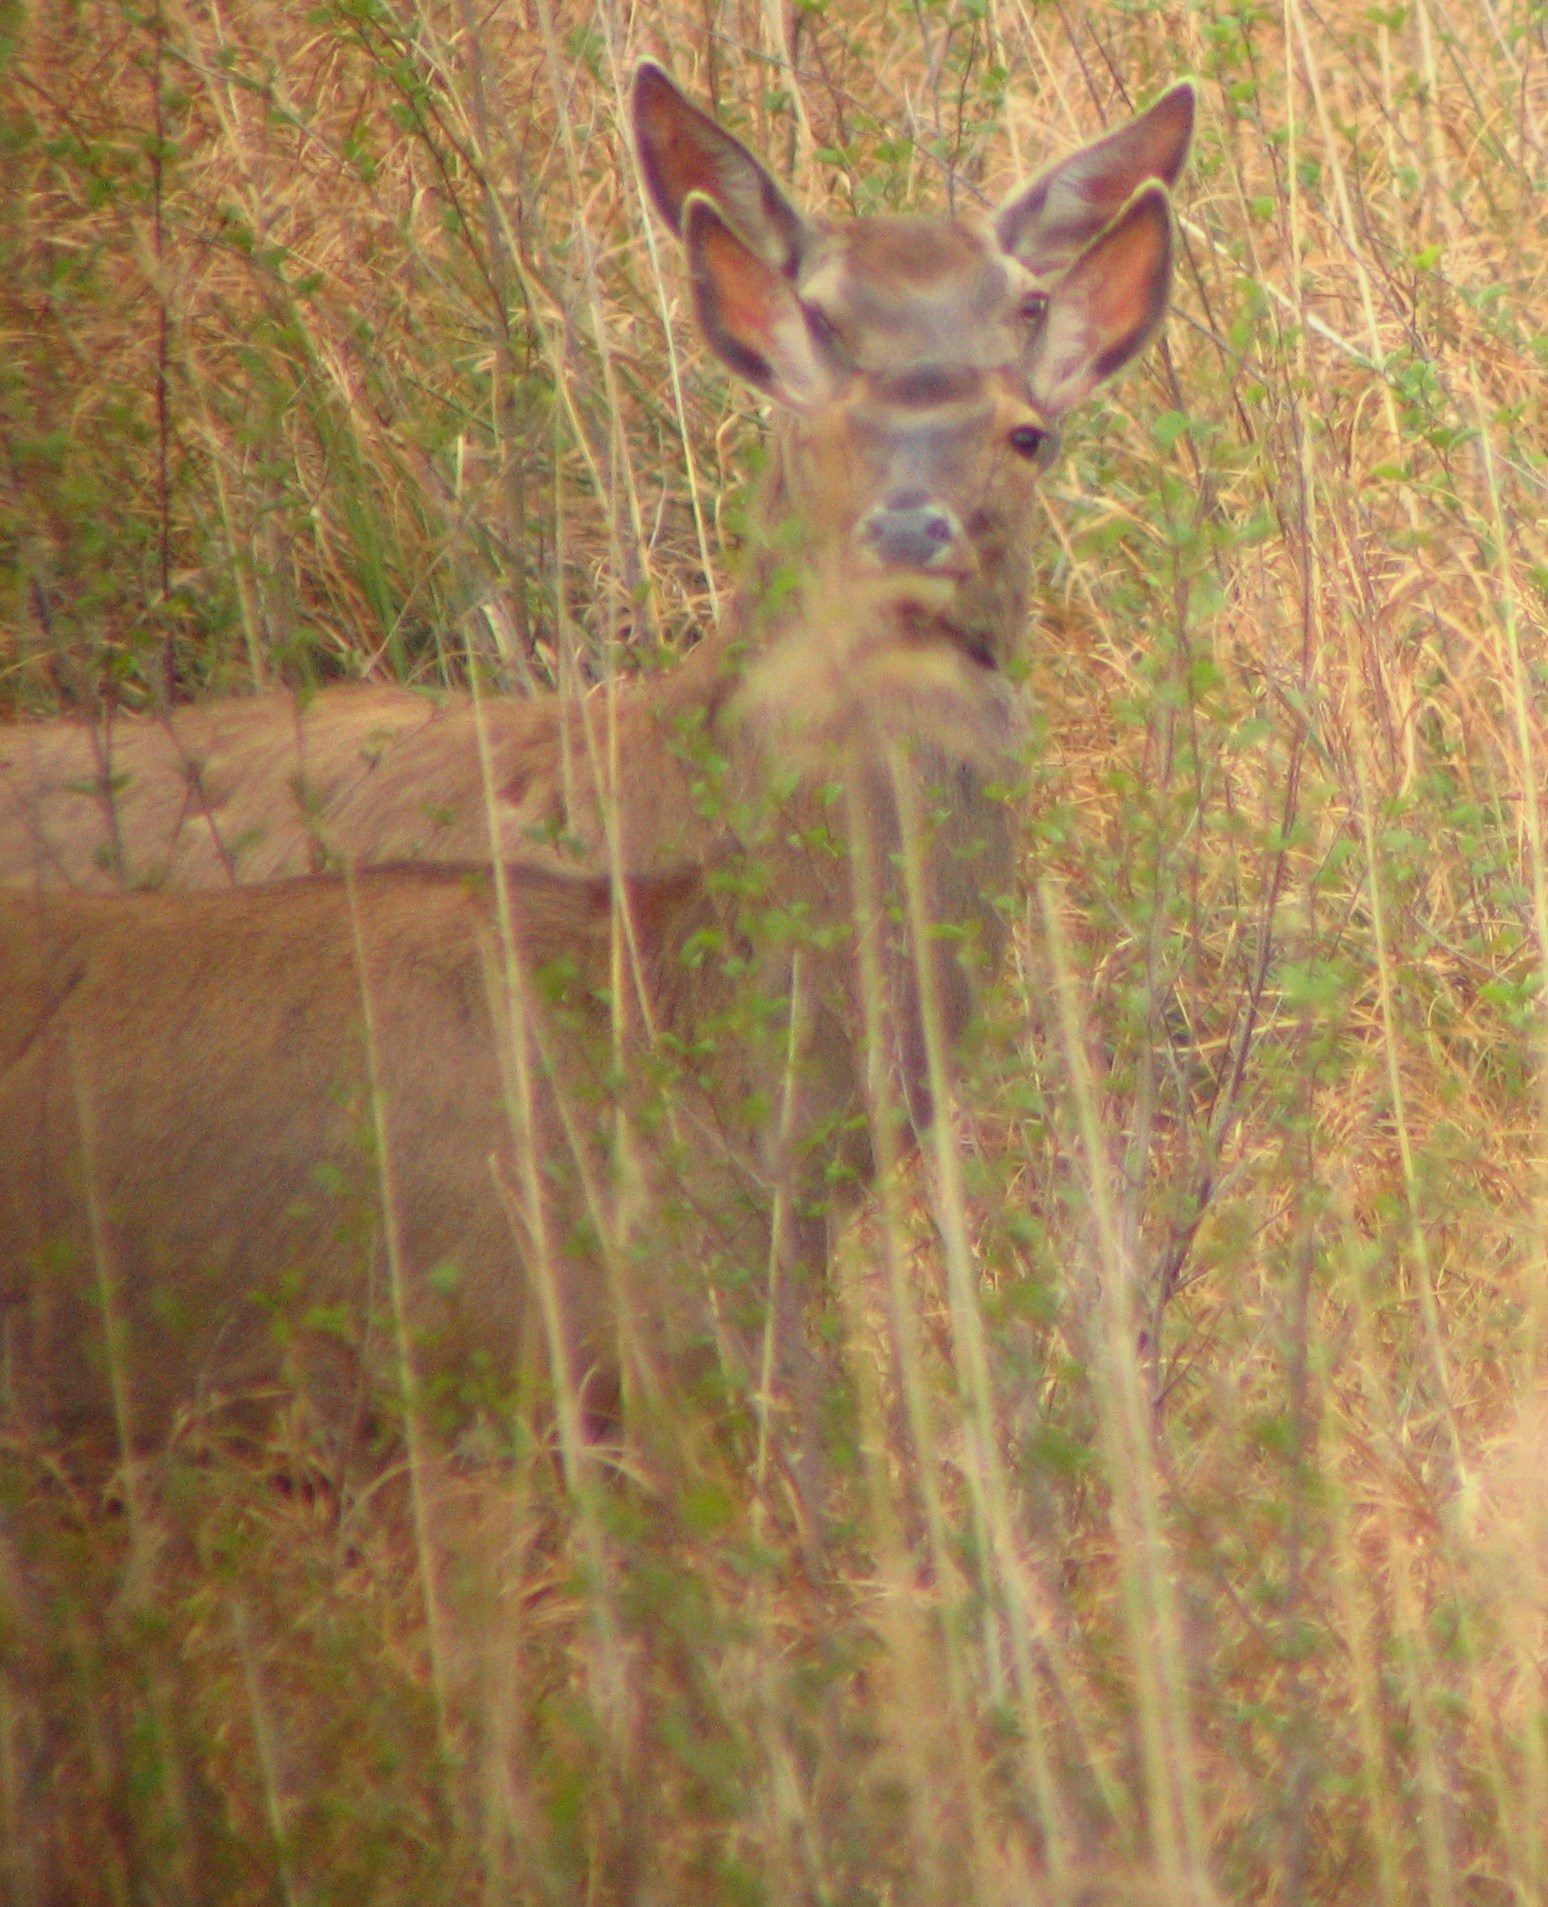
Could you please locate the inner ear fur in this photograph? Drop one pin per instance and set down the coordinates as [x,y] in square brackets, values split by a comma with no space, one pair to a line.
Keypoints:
[1108,306]
[749,313]
[1050,222]
[683,151]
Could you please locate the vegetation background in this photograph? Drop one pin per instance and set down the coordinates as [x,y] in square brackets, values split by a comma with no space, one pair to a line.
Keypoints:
[335,342]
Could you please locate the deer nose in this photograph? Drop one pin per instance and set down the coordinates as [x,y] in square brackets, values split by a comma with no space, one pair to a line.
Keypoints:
[908,531]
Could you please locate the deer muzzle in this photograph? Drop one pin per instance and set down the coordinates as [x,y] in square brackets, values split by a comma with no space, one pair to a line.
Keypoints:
[912,532]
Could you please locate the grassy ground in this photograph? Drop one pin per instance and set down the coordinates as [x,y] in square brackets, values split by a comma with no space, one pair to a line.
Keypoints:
[336,343]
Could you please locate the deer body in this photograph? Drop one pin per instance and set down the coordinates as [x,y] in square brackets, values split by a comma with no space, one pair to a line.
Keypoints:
[190,1082]
[795,881]
[197,1201]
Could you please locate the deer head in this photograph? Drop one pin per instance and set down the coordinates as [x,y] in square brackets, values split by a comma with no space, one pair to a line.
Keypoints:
[922,364]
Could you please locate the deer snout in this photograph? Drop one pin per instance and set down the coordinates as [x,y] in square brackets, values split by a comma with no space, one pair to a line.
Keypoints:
[909,531]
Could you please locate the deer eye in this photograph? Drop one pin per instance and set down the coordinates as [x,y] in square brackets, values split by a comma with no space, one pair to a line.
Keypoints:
[1027,440]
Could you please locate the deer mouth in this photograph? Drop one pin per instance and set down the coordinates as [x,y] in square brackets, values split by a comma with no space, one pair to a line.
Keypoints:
[944,572]
[940,577]
[921,625]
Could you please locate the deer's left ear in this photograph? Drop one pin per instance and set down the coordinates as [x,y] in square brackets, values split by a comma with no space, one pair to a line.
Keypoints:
[1107,307]
[1052,220]
[750,315]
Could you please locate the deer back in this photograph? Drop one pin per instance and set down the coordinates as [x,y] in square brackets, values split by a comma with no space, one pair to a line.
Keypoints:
[273,785]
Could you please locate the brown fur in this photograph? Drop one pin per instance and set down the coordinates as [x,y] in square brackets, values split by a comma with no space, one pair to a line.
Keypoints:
[184,1088]
[190,1075]
[186,1080]
[268,786]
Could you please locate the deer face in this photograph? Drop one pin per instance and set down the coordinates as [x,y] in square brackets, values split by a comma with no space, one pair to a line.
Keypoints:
[923,364]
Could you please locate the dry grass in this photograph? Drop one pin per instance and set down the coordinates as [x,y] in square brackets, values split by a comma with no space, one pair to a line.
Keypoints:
[335,342]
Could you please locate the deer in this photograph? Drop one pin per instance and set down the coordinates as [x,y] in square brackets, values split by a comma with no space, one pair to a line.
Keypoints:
[257,787]
[264,1137]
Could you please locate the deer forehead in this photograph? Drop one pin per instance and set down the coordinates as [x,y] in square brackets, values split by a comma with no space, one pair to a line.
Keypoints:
[932,424]
[902,292]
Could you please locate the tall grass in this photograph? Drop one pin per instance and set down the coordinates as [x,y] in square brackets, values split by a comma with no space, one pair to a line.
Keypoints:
[1199,1552]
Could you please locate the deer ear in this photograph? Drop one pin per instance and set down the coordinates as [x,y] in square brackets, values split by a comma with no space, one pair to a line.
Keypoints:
[1107,306]
[683,151]
[750,315]
[1046,225]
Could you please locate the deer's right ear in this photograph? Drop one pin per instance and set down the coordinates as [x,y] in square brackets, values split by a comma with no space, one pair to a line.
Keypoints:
[750,315]
[1053,220]
[683,151]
